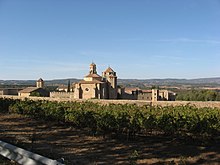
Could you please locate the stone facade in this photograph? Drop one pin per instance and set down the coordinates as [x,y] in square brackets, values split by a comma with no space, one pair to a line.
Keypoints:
[61,94]
[10,91]
[40,83]
[144,95]
[148,95]
[96,86]
[31,91]
[38,90]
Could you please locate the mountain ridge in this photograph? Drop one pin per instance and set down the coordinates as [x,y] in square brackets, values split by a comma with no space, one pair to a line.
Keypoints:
[157,81]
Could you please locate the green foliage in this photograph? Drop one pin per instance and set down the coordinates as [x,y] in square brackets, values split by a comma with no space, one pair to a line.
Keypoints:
[36,94]
[155,87]
[120,119]
[133,158]
[50,88]
[5,103]
[199,95]
[68,86]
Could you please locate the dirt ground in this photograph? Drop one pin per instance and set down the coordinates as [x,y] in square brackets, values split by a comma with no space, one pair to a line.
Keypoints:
[81,148]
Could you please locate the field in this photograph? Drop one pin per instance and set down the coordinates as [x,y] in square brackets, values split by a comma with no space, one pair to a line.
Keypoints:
[79,144]
[79,147]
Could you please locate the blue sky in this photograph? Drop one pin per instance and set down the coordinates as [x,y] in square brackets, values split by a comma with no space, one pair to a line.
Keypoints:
[139,39]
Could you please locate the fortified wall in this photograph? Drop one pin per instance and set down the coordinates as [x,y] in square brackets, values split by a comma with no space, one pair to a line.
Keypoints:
[198,104]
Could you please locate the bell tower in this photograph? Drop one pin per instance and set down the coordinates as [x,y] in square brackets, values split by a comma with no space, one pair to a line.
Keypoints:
[110,76]
[40,83]
[92,69]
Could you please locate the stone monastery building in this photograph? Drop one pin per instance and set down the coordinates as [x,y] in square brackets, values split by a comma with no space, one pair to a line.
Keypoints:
[96,86]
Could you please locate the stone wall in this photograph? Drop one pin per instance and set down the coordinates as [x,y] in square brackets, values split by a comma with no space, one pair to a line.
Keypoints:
[10,91]
[145,96]
[62,95]
[198,104]
[88,91]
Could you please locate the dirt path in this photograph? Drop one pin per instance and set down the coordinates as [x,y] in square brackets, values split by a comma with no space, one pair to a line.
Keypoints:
[80,147]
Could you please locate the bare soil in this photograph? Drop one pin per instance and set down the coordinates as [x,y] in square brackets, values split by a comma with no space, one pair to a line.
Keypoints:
[80,147]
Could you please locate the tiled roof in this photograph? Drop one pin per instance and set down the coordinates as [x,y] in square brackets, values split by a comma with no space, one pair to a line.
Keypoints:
[130,90]
[93,75]
[91,82]
[109,70]
[28,90]
[40,80]
[146,91]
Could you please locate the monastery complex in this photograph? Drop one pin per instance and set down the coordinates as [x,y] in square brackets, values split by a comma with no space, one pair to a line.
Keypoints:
[94,86]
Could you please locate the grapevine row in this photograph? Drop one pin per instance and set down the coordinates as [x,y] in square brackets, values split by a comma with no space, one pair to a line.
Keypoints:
[120,119]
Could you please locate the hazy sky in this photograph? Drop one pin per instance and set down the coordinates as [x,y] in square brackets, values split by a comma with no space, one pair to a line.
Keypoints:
[143,39]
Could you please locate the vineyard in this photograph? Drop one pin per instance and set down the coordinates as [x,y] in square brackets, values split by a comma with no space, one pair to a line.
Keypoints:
[116,119]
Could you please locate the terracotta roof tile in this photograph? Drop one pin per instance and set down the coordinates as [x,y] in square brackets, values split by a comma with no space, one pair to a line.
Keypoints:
[146,91]
[40,80]
[93,75]
[130,90]
[109,70]
[28,90]
[90,82]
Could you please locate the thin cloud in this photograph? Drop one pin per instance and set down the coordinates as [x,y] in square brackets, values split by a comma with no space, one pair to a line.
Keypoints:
[174,58]
[188,40]
[175,40]
[169,57]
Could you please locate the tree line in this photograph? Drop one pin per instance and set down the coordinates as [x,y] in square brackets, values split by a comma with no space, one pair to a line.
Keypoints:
[198,95]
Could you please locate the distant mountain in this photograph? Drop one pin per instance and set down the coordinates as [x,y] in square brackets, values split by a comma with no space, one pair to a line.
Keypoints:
[124,82]
[168,81]
[61,81]
[17,82]
[33,82]
[215,80]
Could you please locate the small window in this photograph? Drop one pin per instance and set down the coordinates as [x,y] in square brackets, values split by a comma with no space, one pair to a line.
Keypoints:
[87,89]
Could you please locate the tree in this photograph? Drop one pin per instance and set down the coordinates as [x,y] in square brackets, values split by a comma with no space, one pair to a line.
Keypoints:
[68,86]
[36,94]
